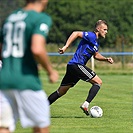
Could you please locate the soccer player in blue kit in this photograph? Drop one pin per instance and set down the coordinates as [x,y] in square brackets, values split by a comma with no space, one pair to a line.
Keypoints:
[76,68]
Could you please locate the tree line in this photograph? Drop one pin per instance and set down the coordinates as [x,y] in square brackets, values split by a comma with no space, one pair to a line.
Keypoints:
[71,15]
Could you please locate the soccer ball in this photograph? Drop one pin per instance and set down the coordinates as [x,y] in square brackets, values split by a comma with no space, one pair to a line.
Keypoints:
[96,112]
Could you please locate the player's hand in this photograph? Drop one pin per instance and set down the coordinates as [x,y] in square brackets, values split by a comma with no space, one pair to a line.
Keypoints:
[53,76]
[110,60]
[62,50]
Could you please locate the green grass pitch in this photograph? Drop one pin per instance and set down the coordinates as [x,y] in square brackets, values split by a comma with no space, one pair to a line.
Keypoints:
[114,97]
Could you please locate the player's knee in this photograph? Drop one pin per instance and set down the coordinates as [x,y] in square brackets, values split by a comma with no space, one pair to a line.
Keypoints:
[4,130]
[99,82]
[96,80]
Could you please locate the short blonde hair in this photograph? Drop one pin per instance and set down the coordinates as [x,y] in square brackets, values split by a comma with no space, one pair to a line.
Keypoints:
[99,22]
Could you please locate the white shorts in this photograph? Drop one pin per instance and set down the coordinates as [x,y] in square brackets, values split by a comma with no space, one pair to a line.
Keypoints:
[6,115]
[31,107]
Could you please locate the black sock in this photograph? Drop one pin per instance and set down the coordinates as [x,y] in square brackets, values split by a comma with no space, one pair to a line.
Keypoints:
[92,93]
[53,97]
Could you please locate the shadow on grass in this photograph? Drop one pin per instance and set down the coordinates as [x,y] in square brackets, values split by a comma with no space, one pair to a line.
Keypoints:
[70,117]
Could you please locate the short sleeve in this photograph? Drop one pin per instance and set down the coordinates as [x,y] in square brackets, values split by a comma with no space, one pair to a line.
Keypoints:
[86,36]
[43,26]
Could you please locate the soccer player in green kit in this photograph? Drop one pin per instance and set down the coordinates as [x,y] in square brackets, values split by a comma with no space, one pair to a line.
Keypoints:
[23,38]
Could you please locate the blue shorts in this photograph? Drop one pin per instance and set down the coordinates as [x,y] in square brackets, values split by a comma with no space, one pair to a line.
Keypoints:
[76,72]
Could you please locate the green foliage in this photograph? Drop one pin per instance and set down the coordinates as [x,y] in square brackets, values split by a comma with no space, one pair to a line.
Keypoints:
[70,15]
[82,15]
[7,6]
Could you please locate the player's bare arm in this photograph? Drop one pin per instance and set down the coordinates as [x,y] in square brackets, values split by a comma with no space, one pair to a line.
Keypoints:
[72,37]
[99,57]
[39,50]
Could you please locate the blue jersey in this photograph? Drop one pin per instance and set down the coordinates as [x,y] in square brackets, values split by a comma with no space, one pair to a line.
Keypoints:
[86,48]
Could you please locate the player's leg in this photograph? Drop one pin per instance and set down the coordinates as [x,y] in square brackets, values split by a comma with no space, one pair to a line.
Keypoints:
[96,84]
[4,130]
[69,80]
[57,94]
[5,110]
[86,74]
[41,130]
[7,122]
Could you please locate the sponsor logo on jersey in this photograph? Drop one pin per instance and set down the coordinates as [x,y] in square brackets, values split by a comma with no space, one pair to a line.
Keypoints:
[86,33]
[44,27]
